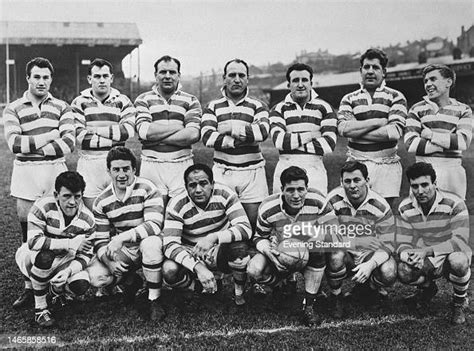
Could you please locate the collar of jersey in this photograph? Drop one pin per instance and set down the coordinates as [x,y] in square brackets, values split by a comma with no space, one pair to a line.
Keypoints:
[230,101]
[380,88]
[438,199]
[289,99]
[128,192]
[114,93]
[25,97]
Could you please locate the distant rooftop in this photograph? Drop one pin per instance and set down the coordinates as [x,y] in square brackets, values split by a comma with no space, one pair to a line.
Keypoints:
[69,33]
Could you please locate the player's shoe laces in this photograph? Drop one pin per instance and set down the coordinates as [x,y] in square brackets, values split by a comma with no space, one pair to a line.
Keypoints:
[258,291]
[44,319]
[310,317]
[458,316]
[25,300]
[132,284]
[60,298]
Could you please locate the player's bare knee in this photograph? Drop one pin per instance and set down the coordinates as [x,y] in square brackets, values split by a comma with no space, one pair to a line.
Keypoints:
[44,259]
[335,260]
[387,272]
[80,286]
[256,267]
[171,271]
[152,249]
[407,274]
[458,263]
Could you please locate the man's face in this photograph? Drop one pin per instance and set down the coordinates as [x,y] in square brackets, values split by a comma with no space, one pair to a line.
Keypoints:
[236,80]
[294,194]
[372,74]
[300,86]
[39,81]
[355,186]
[100,80]
[69,201]
[199,187]
[122,174]
[423,189]
[167,77]
[436,85]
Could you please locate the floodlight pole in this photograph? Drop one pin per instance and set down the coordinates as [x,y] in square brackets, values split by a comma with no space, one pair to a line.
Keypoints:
[131,76]
[138,69]
[7,65]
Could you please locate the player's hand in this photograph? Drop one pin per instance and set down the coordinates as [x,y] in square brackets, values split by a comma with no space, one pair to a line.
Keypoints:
[206,277]
[416,258]
[381,122]
[225,128]
[203,246]
[54,134]
[404,256]
[113,247]
[118,267]
[363,271]
[87,244]
[61,277]
[427,133]
[272,255]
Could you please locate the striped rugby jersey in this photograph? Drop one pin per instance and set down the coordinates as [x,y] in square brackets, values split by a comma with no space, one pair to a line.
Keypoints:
[140,212]
[373,218]
[37,133]
[451,126]
[47,229]
[102,125]
[273,222]
[250,126]
[445,228]
[181,109]
[186,223]
[386,103]
[288,121]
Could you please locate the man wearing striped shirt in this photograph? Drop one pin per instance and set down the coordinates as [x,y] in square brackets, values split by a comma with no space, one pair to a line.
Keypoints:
[234,125]
[367,224]
[59,246]
[205,231]
[303,129]
[168,124]
[129,218]
[433,241]
[104,118]
[373,119]
[439,129]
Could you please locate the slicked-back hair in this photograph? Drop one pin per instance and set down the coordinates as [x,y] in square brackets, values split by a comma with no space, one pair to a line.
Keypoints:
[351,166]
[299,67]
[167,58]
[444,70]
[420,169]
[198,167]
[100,63]
[40,62]
[372,54]
[121,153]
[236,60]
[71,180]
[293,173]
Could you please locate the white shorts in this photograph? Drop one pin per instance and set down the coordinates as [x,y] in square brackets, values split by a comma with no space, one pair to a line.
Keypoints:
[167,176]
[450,174]
[250,184]
[94,171]
[313,165]
[32,180]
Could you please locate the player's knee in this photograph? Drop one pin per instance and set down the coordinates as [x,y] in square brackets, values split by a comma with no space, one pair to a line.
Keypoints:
[256,267]
[316,260]
[407,274]
[335,260]
[171,272]
[44,259]
[387,272]
[152,249]
[458,263]
[79,287]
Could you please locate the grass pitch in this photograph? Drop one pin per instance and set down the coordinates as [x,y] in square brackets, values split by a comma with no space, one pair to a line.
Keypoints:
[215,322]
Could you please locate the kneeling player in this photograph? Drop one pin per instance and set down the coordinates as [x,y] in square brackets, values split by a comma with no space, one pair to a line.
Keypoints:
[294,206]
[129,217]
[366,222]
[59,246]
[433,237]
[205,231]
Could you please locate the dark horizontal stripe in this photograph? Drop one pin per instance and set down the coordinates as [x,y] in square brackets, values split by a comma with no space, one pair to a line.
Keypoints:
[373,147]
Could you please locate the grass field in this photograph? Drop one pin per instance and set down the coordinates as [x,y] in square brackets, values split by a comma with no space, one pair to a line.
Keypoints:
[217,323]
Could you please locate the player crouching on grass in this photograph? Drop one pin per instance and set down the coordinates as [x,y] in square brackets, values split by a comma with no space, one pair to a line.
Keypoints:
[293,207]
[367,223]
[433,237]
[59,246]
[129,217]
[205,231]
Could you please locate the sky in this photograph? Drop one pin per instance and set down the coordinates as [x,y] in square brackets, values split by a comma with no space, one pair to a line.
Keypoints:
[206,34]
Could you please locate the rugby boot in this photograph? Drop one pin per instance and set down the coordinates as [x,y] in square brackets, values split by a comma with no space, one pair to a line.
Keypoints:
[44,319]
[25,300]
[132,284]
[458,316]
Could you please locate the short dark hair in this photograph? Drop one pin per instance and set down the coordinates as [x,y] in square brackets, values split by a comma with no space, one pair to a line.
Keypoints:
[299,67]
[121,153]
[40,62]
[71,180]
[198,167]
[236,60]
[374,54]
[420,169]
[99,63]
[445,71]
[351,166]
[293,173]
[167,58]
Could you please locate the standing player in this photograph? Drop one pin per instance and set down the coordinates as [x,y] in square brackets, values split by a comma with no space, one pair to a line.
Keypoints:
[303,129]
[59,245]
[168,124]
[104,118]
[433,238]
[373,119]
[205,231]
[366,221]
[129,217]
[293,207]
[439,129]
